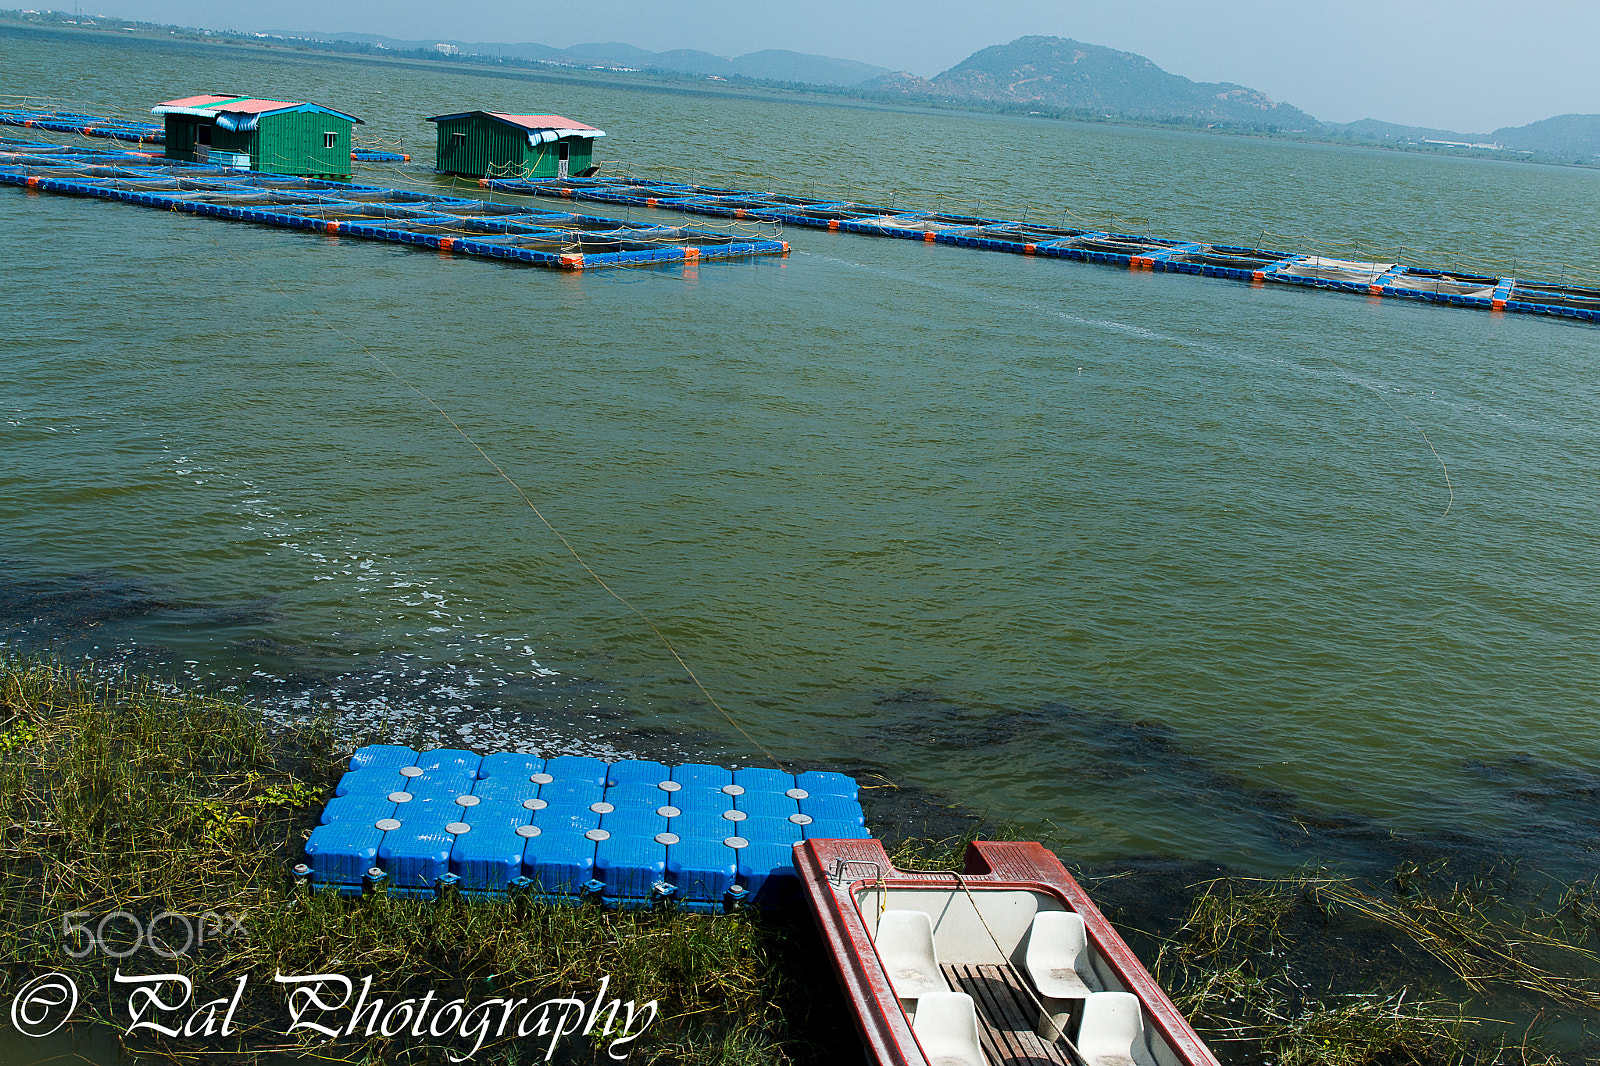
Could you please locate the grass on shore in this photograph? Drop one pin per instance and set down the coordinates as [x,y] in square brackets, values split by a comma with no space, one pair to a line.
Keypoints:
[123,795]
[1259,967]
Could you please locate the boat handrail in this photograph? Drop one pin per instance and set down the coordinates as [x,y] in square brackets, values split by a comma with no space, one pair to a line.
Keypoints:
[841,866]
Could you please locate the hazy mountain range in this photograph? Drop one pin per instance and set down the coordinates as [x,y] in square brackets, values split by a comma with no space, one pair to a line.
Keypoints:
[1054,75]
[773,64]
[1051,76]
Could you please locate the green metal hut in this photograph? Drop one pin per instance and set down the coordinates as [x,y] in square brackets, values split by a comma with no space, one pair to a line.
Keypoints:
[269,136]
[479,144]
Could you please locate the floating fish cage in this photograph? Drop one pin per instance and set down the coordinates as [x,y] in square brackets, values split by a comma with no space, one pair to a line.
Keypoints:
[84,125]
[139,132]
[1129,251]
[631,834]
[449,224]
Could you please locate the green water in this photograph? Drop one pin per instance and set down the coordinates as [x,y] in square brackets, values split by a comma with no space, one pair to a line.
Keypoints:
[1168,564]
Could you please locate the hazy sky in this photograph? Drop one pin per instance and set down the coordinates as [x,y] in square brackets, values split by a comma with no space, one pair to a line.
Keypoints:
[1470,65]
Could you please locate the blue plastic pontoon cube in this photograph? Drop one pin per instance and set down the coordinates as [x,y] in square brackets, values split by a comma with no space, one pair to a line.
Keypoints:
[763,779]
[703,870]
[418,853]
[771,831]
[509,764]
[345,846]
[767,804]
[766,870]
[702,775]
[372,781]
[637,771]
[572,768]
[827,830]
[638,796]
[630,860]
[827,783]
[489,857]
[559,861]
[505,788]
[833,809]
[379,756]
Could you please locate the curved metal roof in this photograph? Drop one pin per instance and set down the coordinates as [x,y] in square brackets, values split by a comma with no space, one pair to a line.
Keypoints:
[538,127]
[248,109]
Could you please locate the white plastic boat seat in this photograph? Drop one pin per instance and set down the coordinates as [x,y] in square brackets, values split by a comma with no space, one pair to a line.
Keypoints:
[1112,1030]
[1057,959]
[947,1028]
[905,944]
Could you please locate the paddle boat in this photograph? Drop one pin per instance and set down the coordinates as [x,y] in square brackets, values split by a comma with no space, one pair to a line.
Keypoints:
[1006,962]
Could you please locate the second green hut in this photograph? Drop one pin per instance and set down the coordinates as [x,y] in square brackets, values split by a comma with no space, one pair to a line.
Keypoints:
[492,144]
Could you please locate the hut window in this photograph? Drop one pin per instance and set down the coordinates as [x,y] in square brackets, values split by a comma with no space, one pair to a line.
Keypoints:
[564,150]
[458,139]
[202,133]
[329,140]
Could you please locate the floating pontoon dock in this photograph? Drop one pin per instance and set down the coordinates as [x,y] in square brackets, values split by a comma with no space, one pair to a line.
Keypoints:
[449,224]
[1256,265]
[630,834]
[85,125]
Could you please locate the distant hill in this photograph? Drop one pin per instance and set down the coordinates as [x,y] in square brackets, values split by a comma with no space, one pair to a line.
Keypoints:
[1570,136]
[773,64]
[1372,129]
[1058,72]
[1052,76]
[1564,139]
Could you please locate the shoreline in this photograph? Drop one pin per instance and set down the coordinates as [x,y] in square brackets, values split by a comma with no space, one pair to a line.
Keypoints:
[192,805]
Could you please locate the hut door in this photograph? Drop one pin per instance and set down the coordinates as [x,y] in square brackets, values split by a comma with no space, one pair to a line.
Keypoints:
[563,155]
[202,142]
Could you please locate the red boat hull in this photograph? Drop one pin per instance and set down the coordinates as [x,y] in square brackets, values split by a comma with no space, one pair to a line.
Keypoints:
[831,874]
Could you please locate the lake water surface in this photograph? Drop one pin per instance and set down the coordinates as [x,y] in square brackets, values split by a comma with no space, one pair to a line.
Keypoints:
[1158,564]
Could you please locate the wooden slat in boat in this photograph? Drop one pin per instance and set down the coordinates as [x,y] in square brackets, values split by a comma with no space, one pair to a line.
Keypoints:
[1006,1016]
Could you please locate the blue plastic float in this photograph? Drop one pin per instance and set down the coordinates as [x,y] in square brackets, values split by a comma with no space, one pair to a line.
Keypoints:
[630,834]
